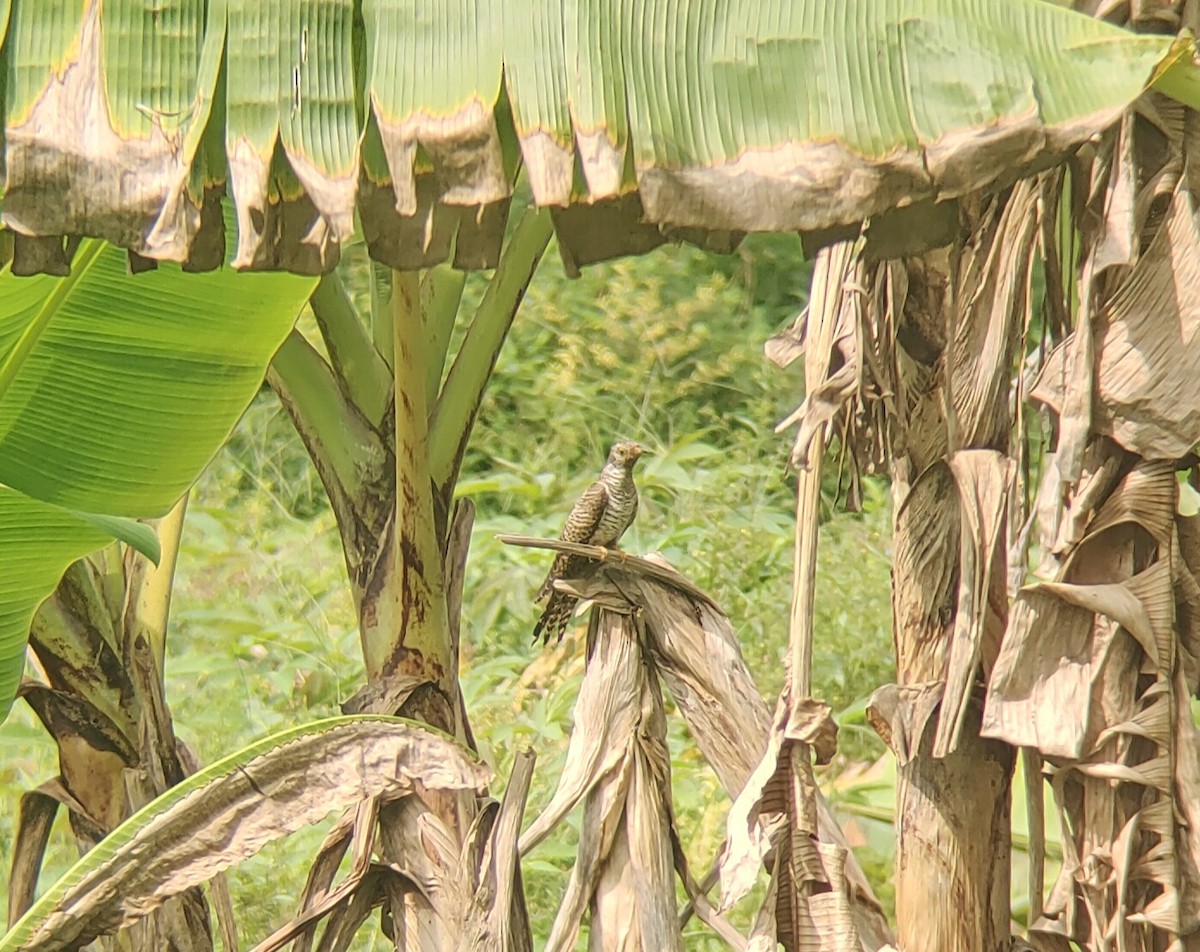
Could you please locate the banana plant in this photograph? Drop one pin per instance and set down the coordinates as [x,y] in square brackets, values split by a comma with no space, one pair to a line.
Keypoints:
[115,391]
[386,412]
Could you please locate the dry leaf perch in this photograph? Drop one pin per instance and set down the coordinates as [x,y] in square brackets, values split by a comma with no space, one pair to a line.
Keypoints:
[651,626]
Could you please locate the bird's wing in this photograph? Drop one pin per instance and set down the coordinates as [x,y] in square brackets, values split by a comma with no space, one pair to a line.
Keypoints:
[581,523]
[585,515]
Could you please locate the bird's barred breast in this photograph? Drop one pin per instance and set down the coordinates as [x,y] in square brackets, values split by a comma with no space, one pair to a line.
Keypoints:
[617,516]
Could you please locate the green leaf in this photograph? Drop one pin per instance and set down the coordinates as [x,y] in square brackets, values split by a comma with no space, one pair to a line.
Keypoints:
[116,390]
[37,543]
[230,810]
[291,84]
[722,115]
[137,535]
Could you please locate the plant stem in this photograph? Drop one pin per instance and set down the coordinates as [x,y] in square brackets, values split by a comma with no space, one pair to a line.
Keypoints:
[362,374]
[150,586]
[456,408]
[406,628]
[441,293]
[381,312]
[348,453]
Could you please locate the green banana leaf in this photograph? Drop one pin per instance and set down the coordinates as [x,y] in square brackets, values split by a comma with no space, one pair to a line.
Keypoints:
[37,543]
[695,116]
[229,811]
[115,392]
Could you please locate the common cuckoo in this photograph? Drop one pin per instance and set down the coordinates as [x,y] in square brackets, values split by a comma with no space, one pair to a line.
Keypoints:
[599,517]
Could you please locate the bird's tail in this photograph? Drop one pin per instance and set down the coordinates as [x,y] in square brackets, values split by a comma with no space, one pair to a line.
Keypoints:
[555,617]
[562,566]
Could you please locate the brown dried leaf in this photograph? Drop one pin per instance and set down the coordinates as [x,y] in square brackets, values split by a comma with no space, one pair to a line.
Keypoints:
[323,869]
[812,723]
[607,716]
[900,715]
[826,920]
[992,279]
[698,656]
[1041,691]
[497,920]
[623,865]
[639,874]
[831,362]
[1147,497]
[786,346]
[1187,802]
[227,813]
[751,834]
[694,648]
[983,478]
[809,919]
[315,906]
[1116,601]
[1152,722]
[1147,348]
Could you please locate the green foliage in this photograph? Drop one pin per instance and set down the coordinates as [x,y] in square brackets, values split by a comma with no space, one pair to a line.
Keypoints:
[114,394]
[666,349]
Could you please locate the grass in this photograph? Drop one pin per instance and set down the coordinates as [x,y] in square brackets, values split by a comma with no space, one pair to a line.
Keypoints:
[666,349]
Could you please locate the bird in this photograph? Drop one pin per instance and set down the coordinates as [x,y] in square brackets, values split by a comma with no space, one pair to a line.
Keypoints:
[599,517]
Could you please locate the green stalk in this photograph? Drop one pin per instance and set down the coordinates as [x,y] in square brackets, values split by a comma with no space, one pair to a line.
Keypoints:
[456,408]
[381,312]
[441,293]
[406,629]
[364,376]
[342,444]
[150,586]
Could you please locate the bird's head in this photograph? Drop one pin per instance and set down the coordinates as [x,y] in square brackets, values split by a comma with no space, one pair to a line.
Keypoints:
[625,453]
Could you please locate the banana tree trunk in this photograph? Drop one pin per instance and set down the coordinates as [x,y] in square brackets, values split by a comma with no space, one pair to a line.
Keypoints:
[390,467]
[955,339]
[99,640]
[952,813]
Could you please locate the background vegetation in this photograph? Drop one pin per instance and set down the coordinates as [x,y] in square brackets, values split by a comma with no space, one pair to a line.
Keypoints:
[263,632]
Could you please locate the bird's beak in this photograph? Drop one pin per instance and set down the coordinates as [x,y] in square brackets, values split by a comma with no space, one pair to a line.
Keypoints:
[643,451]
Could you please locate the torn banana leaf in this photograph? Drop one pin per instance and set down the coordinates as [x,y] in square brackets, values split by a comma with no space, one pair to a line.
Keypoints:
[227,812]
[1147,342]
[692,645]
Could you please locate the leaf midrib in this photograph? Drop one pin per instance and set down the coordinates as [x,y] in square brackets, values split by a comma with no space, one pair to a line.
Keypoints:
[10,369]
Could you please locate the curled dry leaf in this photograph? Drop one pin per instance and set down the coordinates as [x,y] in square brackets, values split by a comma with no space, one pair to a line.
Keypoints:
[752,836]
[826,920]
[1045,683]
[1078,354]
[983,479]
[831,363]
[812,723]
[1043,686]
[229,811]
[1091,676]
[619,765]
[1147,348]
[788,344]
[690,643]
[900,713]
[496,920]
